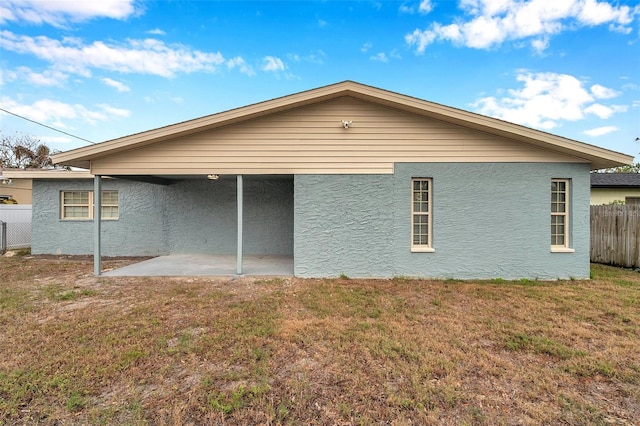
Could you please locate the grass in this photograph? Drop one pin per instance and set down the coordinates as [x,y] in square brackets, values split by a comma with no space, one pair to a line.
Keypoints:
[81,350]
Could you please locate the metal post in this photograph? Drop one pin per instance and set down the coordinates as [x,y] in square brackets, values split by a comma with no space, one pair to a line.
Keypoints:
[239,254]
[3,237]
[97,222]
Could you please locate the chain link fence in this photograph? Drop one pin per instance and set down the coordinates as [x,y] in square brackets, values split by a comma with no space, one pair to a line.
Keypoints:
[14,236]
[15,227]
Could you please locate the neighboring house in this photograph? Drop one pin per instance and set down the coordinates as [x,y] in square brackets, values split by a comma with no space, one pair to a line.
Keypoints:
[18,189]
[345,179]
[609,188]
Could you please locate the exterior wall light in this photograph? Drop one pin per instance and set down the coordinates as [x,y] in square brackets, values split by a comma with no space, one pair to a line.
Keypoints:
[213,177]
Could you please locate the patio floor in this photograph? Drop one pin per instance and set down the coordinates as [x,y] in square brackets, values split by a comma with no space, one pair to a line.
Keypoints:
[203,264]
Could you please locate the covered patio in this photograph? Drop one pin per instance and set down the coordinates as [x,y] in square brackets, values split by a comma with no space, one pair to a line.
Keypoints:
[206,265]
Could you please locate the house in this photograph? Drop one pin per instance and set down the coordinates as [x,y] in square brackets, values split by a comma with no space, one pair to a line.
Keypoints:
[345,179]
[16,189]
[609,188]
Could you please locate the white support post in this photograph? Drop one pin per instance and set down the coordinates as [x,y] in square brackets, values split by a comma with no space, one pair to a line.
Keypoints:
[240,207]
[97,222]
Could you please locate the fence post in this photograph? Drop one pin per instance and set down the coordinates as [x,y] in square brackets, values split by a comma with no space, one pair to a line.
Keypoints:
[3,237]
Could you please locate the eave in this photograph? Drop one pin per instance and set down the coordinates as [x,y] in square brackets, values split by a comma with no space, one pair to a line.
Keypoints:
[599,158]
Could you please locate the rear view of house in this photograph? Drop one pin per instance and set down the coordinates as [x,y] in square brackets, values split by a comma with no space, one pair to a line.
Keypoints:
[345,179]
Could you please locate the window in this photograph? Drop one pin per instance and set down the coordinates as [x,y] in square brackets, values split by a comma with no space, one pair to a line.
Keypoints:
[632,200]
[78,205]
[110,205]
[559,214]
[421,214]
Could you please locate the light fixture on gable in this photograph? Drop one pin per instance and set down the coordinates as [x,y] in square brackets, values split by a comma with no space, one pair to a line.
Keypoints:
[346,124]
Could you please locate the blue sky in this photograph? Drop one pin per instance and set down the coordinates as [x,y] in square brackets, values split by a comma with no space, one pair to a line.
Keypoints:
[102,70]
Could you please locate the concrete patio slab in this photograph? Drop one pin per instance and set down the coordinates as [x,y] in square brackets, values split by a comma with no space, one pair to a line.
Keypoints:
[202,265]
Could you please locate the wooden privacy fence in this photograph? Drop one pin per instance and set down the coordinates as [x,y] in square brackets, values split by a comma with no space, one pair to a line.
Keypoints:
[615,235]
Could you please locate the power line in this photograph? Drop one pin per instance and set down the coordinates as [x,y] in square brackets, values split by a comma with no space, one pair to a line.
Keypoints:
[44,125]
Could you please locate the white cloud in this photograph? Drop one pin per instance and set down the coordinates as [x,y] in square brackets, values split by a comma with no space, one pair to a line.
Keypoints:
[56,112]
[420,39]
[599,110]
[602,92]
[380,57]
[239,62]
[156,31]
[604,111]
[58,13]
[120,87]
[46,78]
[490,23]
[271,63]
[116,112]
[317,57]
[406,9]
[384,57]
[6,76]
[366,47]
[546,100]
[540,44]
[593,12]
[423,7]
[600,131]
[147,56]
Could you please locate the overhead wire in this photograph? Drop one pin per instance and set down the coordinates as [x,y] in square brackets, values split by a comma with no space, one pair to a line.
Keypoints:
[44,125]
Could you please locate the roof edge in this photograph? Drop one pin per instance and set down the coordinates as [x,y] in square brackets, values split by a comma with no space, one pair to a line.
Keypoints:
[597,156]
[45,174]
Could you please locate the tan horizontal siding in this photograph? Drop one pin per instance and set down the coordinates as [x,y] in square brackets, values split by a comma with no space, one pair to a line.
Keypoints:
[312,140]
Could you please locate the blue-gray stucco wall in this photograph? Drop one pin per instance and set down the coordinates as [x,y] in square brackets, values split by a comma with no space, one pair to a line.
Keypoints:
[189,216]
[489,220]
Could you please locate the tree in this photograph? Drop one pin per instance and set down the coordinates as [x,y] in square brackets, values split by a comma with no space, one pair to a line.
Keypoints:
[634,168]
[23,152]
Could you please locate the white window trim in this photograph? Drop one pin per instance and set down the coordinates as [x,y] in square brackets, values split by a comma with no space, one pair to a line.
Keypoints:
[559,249]
[422,248]
[105,204]
[566,247]
[90,205]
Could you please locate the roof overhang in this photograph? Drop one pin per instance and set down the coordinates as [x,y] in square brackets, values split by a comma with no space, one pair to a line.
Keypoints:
[599,158]
[45,174]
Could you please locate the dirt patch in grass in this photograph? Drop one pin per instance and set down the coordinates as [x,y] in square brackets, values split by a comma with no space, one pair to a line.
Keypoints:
[76,349]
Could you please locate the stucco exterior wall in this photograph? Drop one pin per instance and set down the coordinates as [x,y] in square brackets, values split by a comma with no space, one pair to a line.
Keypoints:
[489,220]
[139,231]
[190,216]
[202,215]
[609,195]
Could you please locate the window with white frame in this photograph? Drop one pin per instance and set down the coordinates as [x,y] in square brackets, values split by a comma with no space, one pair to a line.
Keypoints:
[78,205]
[559,213]
[421,190]
[110,208]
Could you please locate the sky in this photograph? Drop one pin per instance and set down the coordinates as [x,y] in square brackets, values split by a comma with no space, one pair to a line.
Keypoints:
[99,70]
